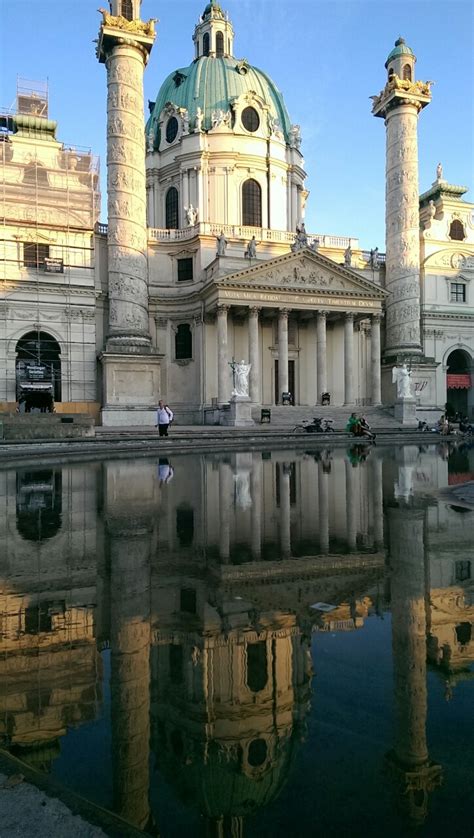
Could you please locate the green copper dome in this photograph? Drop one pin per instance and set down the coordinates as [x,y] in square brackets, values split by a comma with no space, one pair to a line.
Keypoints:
[400,48]
[213,83]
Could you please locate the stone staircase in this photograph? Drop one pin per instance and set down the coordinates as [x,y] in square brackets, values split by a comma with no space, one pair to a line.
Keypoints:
[380,418]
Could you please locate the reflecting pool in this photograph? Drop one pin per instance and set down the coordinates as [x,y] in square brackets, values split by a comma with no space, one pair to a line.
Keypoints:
[249,644]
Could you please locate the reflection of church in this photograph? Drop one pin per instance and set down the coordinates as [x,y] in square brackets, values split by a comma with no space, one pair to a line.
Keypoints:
[206,258]
[203,602]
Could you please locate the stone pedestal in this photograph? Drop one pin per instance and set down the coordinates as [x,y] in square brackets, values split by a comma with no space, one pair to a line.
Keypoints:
[131,388]
[240,413]
[405,412]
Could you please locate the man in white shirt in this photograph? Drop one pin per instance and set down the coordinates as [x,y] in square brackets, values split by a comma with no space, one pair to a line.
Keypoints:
[164,415]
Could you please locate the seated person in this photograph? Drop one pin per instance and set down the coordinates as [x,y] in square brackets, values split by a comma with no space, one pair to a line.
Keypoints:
[353,425]
[365,428]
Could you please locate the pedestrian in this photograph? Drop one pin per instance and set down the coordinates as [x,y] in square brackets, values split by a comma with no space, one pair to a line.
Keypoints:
[164,416]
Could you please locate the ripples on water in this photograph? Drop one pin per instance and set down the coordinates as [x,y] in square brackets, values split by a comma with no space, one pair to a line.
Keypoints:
[160,652]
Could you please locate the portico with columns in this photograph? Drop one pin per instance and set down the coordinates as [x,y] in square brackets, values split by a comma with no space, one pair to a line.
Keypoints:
[306,326]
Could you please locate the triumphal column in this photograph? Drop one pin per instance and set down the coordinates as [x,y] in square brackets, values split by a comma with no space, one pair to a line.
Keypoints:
[399,104]
[131,372]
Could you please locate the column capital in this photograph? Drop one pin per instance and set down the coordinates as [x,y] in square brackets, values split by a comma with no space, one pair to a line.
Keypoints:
[283,313]
[376,317]
[222,308]
[254,310]
[349,316]
[321,315]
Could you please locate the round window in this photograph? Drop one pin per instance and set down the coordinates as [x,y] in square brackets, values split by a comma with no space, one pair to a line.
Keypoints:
[250,119]
[171,129]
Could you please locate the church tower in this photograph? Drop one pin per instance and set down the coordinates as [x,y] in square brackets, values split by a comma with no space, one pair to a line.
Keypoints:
[124,46]
[399,103]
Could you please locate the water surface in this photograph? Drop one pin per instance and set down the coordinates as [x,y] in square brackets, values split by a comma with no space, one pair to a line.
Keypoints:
[248,644]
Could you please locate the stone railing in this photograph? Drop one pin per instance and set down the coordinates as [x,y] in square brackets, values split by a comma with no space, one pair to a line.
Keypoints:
[235,231]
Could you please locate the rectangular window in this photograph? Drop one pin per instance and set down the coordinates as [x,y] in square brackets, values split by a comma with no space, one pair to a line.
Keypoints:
[185,270]
[34,254]
[458,292]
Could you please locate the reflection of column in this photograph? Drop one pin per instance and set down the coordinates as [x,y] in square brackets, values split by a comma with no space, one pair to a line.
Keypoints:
[282,353]
[409,758]
[224,510]
[377,500]
[256,512]
[323,509]
[375,381]
[285,520]
[130,537]
[349,358]
[254,360]
[351,524]
[321,361]
[222,368]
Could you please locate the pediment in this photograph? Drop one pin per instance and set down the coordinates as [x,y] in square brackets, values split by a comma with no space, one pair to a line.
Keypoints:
[305,271]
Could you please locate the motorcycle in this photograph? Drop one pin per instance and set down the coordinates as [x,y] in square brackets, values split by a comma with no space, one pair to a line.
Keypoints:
[319,425]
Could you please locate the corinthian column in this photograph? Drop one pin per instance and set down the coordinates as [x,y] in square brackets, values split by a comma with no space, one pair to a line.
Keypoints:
[375,381]
[349,358]
[321,360]
[399,104]
[282,352]
[125,51]
[222,368]
[254,359]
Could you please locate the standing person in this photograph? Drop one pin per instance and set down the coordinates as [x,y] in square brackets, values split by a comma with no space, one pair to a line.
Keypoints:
[164,415]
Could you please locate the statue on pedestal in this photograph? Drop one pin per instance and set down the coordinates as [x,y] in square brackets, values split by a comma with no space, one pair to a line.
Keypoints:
[251,252]
[374,259]
[221,244]
[348,257]
[241,382]
[401,376]
[191,215]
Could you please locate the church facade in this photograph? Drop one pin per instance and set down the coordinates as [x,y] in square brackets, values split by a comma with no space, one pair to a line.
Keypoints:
[205,261]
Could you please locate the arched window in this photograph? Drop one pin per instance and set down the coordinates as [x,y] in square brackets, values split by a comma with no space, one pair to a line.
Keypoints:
[205,44]
[171,209]
[35,174]
[257,675]
[257,752]
[251,204]
[127,9]
[219,44]
[456,231]
[183,342]
[38,364]
[407,72]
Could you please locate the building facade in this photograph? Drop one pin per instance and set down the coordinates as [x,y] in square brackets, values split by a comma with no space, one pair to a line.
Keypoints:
[206,260]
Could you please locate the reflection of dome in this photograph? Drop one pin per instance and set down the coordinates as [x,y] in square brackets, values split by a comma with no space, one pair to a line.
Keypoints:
[212,83]
[213,779]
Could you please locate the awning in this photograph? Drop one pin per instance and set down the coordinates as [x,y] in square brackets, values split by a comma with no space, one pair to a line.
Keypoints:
[459,381]
[44,386]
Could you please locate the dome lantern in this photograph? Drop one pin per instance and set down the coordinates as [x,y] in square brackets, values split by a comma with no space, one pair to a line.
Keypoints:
[214,34]
[401,61]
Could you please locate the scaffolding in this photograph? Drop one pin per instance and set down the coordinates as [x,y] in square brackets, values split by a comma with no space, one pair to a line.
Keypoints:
[49,208]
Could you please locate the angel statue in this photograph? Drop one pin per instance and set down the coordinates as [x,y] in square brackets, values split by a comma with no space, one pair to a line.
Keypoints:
[241,386]
[191,215]
[401,376]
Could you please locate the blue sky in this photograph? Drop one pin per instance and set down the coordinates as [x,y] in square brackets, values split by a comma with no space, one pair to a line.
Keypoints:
[327,58]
